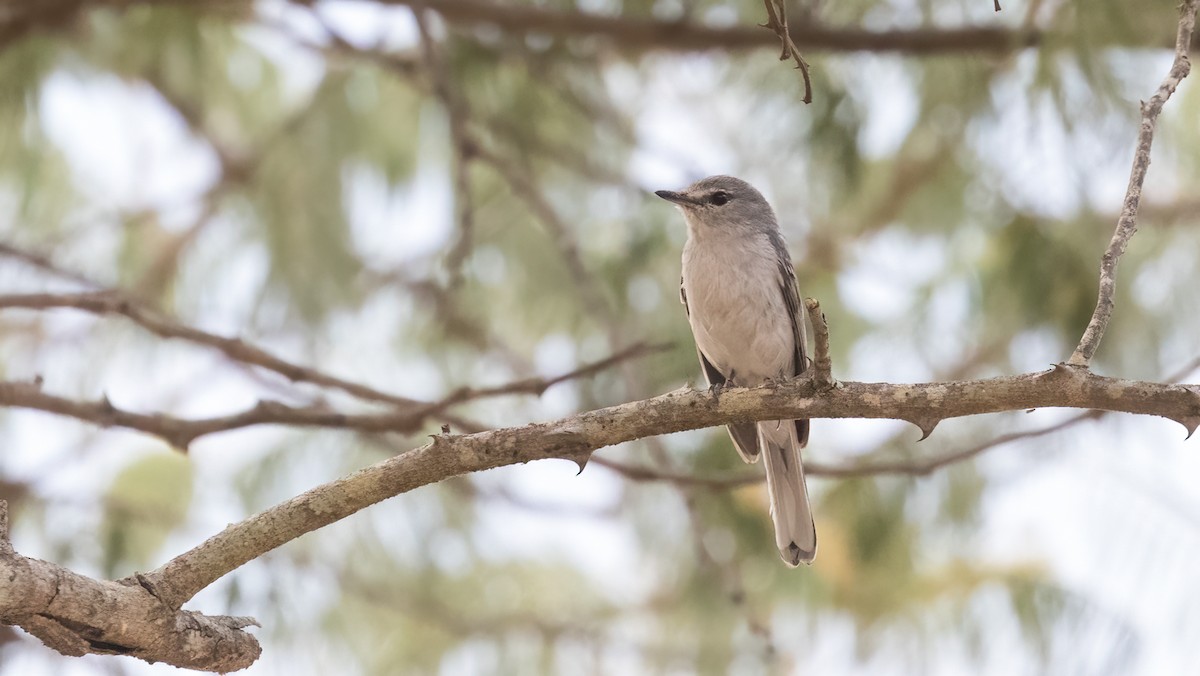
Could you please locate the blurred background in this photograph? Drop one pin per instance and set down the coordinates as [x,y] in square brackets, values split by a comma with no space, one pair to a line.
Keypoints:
[465,200]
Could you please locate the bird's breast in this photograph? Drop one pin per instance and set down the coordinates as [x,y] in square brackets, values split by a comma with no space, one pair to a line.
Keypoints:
[736,309]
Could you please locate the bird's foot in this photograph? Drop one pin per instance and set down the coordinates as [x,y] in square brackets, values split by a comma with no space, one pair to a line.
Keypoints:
[716,389]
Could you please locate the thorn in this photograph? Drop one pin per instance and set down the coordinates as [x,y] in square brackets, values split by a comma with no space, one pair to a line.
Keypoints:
[105,404]
[580,458]
[926,426]
[1189,423]
[38,381]
[180,441]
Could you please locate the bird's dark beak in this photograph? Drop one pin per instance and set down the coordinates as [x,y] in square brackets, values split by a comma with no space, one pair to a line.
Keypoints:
[676,197]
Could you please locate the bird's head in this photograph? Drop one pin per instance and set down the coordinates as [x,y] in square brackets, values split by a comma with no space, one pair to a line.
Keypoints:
[722,204]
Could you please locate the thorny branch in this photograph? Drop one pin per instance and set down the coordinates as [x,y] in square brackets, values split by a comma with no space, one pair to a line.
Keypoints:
[1127,222]
[576,437]
[116,302]
[181,432]
[868,467]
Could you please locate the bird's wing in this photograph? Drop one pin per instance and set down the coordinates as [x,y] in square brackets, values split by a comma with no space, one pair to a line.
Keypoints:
[744,435]
[791,300]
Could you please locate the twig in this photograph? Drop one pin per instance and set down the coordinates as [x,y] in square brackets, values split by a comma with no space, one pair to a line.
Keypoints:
[116,302]
[822,364]
[181,432]
[777,23]
[43,263]
[537,386]
[909,467]
[1127,222]
[642,473]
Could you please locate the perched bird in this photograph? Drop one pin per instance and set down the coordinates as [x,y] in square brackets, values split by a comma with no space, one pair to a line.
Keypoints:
[739,290]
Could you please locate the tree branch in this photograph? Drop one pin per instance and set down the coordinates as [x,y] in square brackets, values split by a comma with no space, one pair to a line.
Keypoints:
[181,432]
[115,302]
[866,467]
[641,35]
[575,437]
[1127,222]
[77,615]
[822,362]
[628,34]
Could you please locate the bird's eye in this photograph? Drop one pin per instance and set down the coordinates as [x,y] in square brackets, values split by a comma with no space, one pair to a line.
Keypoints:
[718,198]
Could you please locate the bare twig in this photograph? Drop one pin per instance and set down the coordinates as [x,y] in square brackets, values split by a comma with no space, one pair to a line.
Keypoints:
[43,263]
[1127,223]
[181,432]
[777,23]
[534,386]
[115,302]
[537,386]
[905,467]
[685,479]
[822,363]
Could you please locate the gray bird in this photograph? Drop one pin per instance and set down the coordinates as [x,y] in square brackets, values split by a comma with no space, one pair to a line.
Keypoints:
[739,291]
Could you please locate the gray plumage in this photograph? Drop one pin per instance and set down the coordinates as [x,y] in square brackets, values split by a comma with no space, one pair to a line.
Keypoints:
[739,290]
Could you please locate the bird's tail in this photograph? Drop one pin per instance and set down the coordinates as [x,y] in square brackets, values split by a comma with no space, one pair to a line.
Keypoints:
[795,533]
